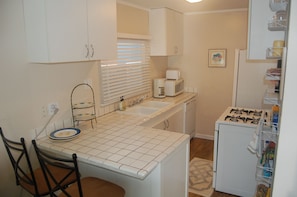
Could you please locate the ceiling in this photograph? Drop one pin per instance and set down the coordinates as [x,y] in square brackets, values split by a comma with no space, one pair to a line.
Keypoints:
[186,7]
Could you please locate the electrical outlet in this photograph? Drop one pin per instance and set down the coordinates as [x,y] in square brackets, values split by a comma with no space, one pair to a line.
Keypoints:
[51,108]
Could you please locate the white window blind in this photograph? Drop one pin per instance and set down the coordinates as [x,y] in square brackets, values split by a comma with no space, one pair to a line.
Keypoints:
[129,74]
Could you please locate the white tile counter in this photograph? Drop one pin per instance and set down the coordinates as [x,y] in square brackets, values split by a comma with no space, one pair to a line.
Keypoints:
[119,144]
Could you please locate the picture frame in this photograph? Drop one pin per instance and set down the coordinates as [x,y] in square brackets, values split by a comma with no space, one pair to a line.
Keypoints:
[217,57]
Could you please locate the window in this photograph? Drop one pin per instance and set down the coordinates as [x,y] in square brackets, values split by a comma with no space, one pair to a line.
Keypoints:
[129,74]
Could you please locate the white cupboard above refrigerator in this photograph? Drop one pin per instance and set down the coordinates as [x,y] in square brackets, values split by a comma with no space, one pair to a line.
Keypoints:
[69,31]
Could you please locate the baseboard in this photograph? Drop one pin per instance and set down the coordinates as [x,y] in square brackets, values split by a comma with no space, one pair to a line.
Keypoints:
[203,136]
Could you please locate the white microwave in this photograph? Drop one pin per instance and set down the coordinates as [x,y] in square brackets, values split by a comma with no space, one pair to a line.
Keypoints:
[174,87]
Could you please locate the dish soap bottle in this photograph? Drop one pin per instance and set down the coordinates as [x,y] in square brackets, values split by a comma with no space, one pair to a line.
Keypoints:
[122,104]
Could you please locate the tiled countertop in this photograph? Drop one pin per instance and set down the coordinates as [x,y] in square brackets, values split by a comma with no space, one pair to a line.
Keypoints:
[118,143]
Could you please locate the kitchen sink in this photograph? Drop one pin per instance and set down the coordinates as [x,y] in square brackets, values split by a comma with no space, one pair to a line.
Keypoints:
[140,110]
[155,104]
[146,108]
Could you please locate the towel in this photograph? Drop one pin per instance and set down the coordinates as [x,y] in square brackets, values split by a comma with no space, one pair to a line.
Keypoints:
[253,147]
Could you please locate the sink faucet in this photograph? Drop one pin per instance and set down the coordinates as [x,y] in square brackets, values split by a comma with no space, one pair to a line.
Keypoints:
[140,100]
[136,101]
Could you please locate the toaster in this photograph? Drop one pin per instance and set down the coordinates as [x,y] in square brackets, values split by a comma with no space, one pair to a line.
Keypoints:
[173,74]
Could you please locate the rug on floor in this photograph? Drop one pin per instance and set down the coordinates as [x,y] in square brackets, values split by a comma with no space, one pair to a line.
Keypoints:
[200,177]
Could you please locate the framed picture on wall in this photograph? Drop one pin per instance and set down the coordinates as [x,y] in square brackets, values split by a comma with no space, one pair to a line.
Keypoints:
[217,57]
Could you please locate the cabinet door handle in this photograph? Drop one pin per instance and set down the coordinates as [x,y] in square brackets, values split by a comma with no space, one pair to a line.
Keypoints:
[92,50]
[87,51]
[167,124]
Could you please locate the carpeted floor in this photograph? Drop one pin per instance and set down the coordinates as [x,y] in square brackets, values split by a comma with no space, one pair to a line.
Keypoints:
[200,177]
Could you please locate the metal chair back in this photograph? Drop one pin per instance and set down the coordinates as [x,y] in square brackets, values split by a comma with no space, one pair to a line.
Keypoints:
[49,162]
[19,158]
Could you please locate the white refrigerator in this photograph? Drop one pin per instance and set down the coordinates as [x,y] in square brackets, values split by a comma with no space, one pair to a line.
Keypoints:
[249,85]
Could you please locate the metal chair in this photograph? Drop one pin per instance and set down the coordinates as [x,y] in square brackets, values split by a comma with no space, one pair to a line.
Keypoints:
[88,186]
[31,180]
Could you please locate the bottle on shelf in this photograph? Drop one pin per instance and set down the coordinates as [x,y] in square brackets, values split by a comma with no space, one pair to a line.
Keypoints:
[122,104]
[275,115]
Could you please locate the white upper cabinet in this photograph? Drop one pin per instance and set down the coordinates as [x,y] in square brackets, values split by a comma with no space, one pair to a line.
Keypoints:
[70,30]
[102,26]
[259,36]
[166,28]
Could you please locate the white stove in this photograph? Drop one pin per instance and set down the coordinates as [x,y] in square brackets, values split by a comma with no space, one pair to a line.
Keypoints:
[234,166]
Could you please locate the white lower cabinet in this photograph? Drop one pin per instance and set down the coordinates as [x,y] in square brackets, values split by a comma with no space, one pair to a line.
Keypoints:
[181,119]
[190,117]
[172,121]
[70,30]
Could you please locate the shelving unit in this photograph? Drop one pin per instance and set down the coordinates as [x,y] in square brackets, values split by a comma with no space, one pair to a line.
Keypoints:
[274,53]
[268,138]
[273,74]
[268,133]
[271,98]
[272,95]
[83,110]
[278,23]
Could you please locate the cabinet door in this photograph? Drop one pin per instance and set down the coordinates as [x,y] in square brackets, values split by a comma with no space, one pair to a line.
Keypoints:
[179,19]
[190,118]
[166,27]
[259,37]
[158,31]
[162,125]
[236,169]
[174,33]
[175,121]
[67,30]
[56,30]
[70,30]
[102,29]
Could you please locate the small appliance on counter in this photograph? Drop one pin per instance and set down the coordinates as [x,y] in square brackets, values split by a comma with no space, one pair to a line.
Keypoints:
[174,87]
[159,88]
[174,84]
[172,74]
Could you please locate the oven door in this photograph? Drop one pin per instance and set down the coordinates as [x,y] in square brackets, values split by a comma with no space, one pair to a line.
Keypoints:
[235,164]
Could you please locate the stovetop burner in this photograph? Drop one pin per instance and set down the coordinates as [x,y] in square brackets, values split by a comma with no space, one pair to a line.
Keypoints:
[246,116]
[253,120]
[238,111]
[241,119]
[246,112]
[255,112]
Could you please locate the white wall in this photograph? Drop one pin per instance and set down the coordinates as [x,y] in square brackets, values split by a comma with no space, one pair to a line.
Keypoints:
[26,88]
[203,32]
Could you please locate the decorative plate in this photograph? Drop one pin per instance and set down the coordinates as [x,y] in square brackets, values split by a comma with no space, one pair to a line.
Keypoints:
[64,134]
